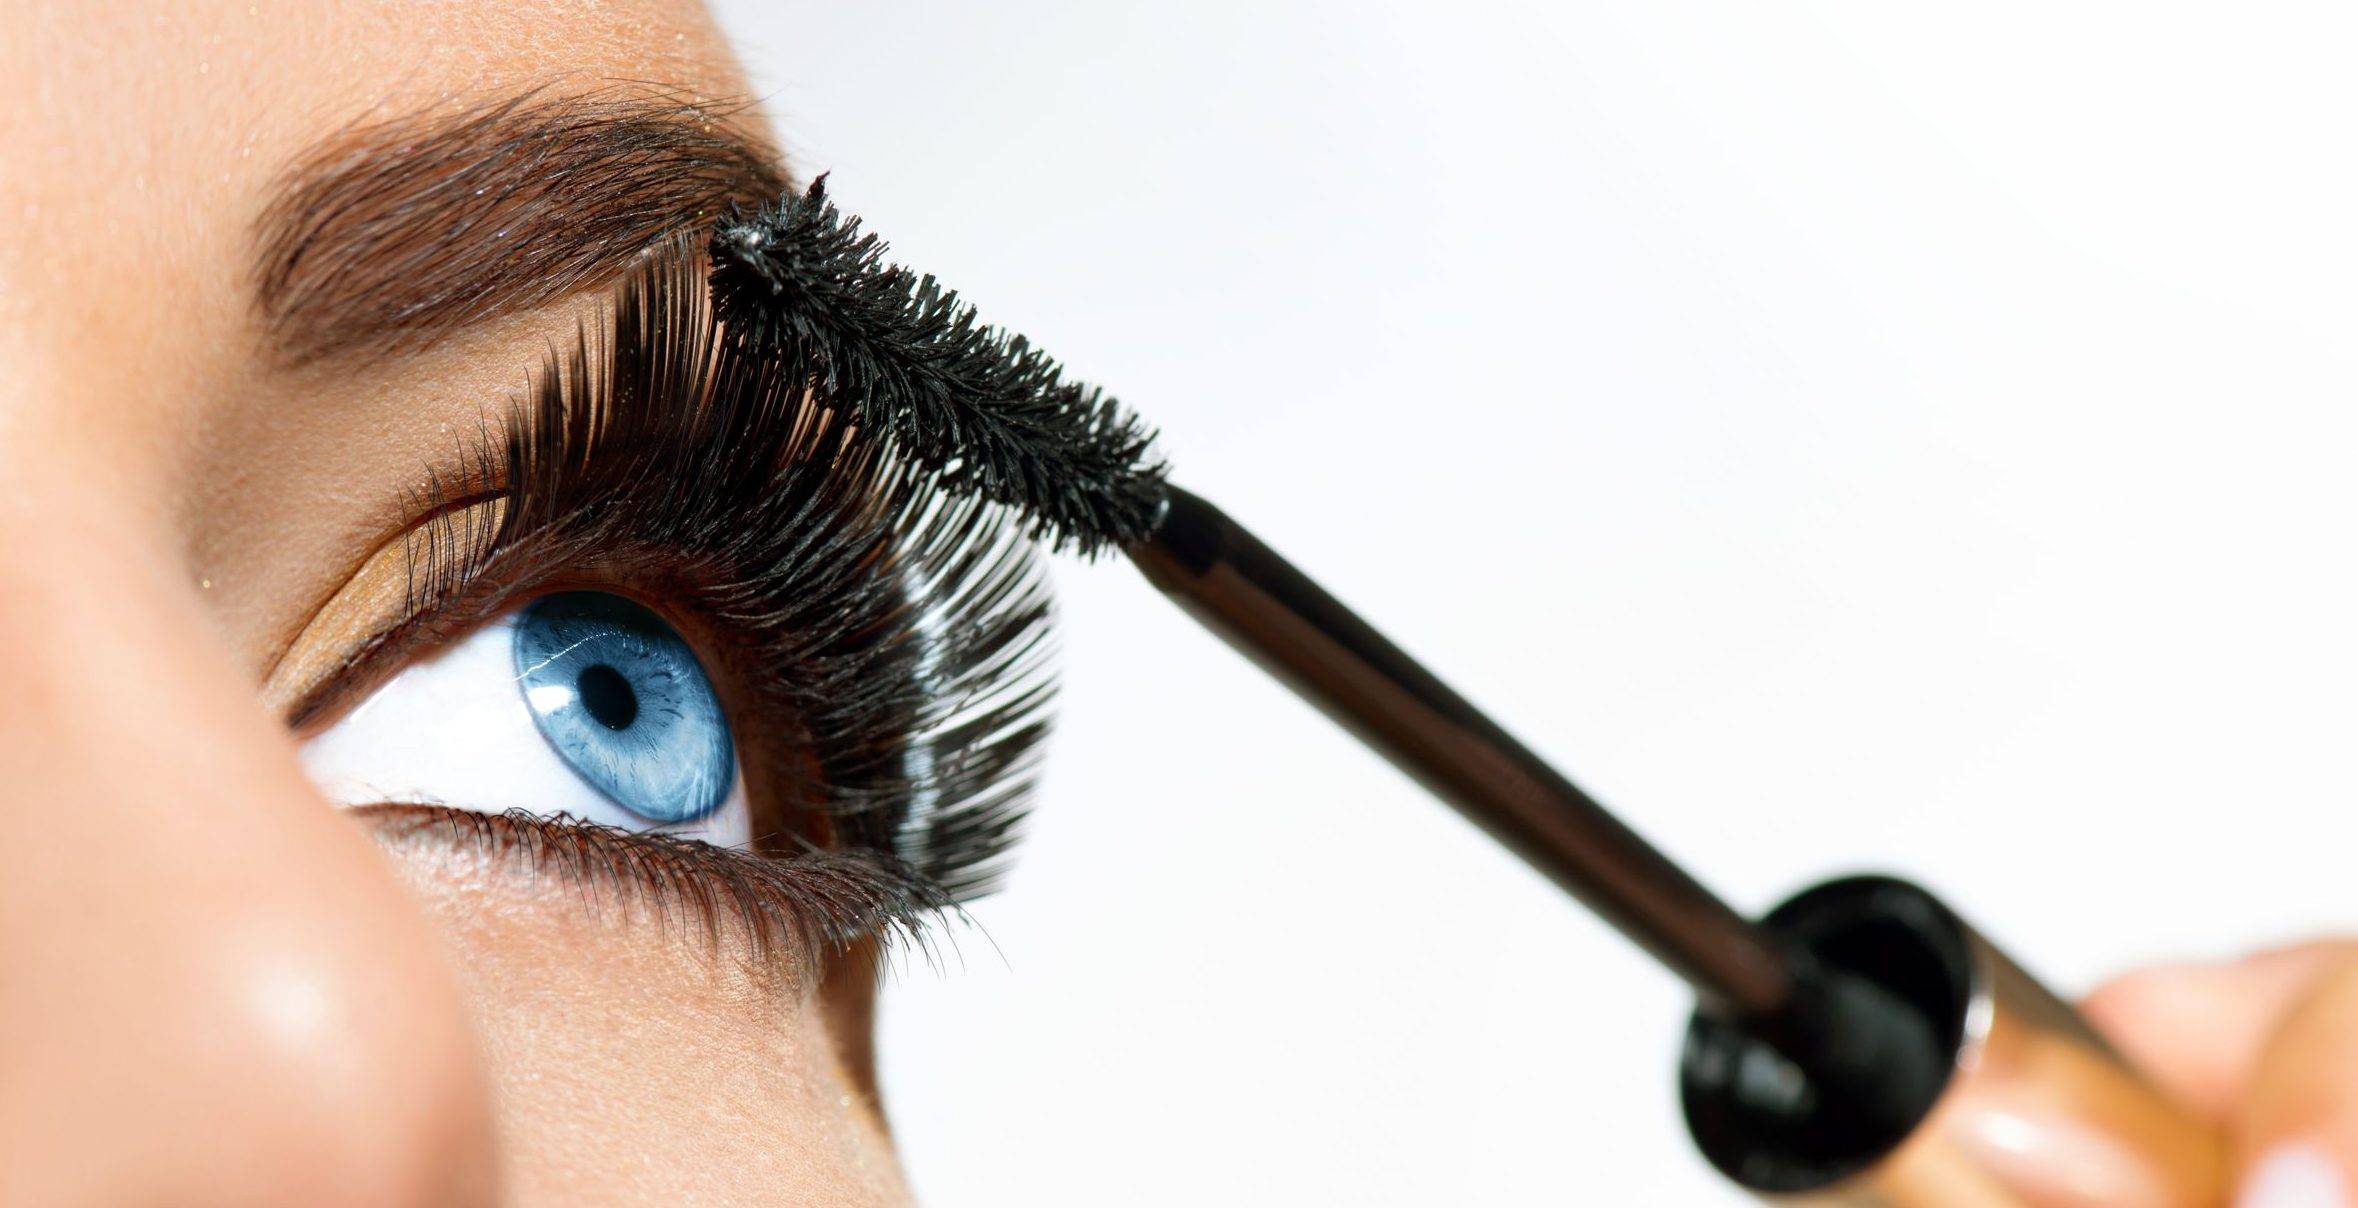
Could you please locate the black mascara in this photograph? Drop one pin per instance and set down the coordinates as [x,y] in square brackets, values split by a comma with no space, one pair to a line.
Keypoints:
[1853,1046]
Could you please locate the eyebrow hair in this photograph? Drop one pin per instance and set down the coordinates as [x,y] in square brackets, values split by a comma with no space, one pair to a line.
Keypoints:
[390,234]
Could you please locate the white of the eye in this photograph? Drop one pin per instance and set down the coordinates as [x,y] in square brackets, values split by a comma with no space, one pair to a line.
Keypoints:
[454,730]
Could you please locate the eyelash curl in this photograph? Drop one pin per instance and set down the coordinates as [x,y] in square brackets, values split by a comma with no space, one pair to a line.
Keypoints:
[889,643]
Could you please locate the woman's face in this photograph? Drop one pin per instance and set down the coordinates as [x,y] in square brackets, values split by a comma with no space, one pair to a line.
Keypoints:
[279,283]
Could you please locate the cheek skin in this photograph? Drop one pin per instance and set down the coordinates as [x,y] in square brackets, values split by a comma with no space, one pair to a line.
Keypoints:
[632,1065]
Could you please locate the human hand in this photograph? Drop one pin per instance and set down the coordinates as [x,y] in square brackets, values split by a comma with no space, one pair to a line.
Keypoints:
[2266,1047]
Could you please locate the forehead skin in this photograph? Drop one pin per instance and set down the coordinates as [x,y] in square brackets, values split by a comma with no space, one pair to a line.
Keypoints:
[138,144]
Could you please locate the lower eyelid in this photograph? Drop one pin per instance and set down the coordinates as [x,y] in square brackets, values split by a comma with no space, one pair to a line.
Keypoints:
[797,913]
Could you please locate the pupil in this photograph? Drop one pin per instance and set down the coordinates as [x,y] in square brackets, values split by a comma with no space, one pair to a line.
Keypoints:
[607,696]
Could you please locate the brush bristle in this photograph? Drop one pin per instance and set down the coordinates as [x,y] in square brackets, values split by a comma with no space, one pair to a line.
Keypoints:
[976,407]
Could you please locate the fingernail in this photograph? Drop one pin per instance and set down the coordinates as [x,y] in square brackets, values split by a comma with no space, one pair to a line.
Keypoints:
[2293,1176]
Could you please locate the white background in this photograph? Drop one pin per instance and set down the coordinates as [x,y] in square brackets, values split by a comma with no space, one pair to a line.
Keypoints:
[1845,436]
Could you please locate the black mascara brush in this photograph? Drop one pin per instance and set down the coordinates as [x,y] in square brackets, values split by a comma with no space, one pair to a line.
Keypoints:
[1856,1044]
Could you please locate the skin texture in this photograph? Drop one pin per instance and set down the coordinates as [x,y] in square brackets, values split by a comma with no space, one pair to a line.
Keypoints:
[214,989]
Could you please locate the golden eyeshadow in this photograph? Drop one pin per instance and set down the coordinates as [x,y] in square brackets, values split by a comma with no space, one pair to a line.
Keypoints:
[373,605]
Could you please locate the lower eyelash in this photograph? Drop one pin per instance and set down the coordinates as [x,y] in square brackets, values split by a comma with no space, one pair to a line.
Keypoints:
[803,913]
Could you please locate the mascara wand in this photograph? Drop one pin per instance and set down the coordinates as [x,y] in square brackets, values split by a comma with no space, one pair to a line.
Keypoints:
[1859,1044]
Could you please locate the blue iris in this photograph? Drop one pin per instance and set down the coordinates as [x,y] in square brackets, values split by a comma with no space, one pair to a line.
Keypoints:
[623,701]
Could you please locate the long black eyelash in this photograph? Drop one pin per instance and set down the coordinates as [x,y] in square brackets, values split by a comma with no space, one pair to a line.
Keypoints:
[894,634]
[806,910]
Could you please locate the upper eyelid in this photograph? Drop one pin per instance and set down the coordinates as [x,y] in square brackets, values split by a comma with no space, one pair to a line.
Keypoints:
[477,601]
[339,655]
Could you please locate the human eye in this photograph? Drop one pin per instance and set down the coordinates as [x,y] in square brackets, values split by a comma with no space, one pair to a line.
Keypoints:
[674,613]
[578,704]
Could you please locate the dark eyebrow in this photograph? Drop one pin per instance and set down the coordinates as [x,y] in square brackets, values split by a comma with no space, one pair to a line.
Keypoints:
[389,234]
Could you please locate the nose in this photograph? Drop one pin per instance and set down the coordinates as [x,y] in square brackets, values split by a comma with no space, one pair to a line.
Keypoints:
[212,989]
